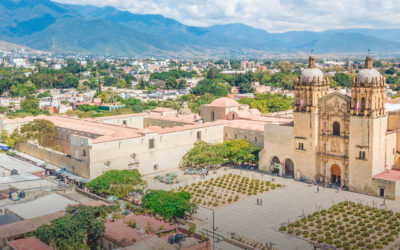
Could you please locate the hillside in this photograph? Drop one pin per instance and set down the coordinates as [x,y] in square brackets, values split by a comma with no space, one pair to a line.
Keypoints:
[65,29]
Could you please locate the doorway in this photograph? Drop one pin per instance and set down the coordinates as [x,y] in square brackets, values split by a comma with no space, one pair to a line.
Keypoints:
[381,192]
[335,175]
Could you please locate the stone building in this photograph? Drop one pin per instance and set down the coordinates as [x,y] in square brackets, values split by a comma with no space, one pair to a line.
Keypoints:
[347,141]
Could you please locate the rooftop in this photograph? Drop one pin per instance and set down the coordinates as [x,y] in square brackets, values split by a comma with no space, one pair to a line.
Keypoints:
[9,163]
[389,175]
[224,102]
[161,130]
[8,219]
[30,243]
[104,132]
[121,231]
[26,226]
[48,204]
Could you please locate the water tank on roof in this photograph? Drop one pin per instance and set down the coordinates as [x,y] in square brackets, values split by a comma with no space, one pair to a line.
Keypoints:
[14,196]
[171,239]
[14,172]
[22,194]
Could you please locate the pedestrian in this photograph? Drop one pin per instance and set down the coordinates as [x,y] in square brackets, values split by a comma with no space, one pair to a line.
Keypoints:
[317,189]
[258,201]
[384,201]
[261,201]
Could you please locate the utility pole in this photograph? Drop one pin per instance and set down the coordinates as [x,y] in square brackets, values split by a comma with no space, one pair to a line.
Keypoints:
[213,225]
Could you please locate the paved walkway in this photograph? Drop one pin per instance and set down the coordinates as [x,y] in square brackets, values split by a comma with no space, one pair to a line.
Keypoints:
[280,206]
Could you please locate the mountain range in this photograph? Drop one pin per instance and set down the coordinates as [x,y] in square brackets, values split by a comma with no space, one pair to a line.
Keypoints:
[83,29]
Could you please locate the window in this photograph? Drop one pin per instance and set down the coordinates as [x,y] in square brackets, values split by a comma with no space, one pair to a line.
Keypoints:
[198,135]
[361,155]
[155,167]
[212,116]
[84,153]
[362,105]
[235,136]
[124,122]
[245,137]
[226,134]
[301,146]
[255,139]
[336,128]
[151,143]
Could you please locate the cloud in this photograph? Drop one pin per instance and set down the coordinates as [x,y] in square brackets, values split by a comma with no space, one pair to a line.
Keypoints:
[270,15]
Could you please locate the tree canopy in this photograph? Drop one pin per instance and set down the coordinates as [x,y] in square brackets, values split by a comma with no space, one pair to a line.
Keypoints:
[168,204]
[343,79]
[204,154]
[79,228]
[207,86]
[266,103]
[40,131]
[116,182]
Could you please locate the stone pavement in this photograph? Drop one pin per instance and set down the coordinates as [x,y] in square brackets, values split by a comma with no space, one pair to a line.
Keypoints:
[260,222]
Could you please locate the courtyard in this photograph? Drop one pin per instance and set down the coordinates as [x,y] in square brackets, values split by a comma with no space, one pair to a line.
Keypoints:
[283,206]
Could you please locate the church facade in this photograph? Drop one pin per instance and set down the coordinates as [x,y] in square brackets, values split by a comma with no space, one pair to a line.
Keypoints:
[335,139]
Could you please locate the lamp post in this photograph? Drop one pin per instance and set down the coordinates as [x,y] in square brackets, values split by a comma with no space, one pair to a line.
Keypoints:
[213,225]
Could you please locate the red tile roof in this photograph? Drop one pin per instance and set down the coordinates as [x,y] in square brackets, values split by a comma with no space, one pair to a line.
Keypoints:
[120,231]
[30,243]
[389,175]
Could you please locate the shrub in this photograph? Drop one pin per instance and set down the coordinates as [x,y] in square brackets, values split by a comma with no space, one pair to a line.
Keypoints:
[282,228]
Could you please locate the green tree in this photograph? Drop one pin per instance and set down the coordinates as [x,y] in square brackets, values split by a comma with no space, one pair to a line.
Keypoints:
[285,66]
[69,81]
[44,94]
[40,131]
[208,86]
[30,105]
[391,71]
[266,103]
[87,107]
[203,154]
[121,84]
[211,74]
[241,151]
[343,79]
[109,81]
[78,229]
[171,83]
[169,204]
[116,182]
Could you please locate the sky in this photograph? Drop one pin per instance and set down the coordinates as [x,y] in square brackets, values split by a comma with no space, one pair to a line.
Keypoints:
[270,15]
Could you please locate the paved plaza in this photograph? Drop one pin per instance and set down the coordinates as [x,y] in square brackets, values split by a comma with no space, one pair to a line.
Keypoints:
[260,222]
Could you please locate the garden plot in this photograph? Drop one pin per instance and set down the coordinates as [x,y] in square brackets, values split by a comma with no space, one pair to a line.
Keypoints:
[223,190]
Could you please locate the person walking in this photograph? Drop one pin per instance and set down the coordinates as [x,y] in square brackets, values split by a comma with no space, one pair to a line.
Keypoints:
[258,201]
[317,189]
[261,201]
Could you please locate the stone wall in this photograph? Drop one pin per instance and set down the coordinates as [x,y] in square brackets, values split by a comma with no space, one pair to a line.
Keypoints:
[56,158]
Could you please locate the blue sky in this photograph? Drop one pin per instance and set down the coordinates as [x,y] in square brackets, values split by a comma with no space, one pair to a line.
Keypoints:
[271,15]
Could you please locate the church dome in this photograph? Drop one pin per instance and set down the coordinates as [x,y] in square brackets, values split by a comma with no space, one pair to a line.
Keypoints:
[365,74]
[368,73]
[311,72]
[225,102]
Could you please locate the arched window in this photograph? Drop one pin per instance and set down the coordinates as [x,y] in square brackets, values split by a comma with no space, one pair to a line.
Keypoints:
[362,105]
[336,128]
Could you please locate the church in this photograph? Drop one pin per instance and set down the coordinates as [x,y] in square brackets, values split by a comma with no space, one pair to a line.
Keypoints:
[336,139]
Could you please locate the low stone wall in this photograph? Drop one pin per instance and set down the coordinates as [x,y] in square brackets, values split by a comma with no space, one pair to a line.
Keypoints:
[92,196]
